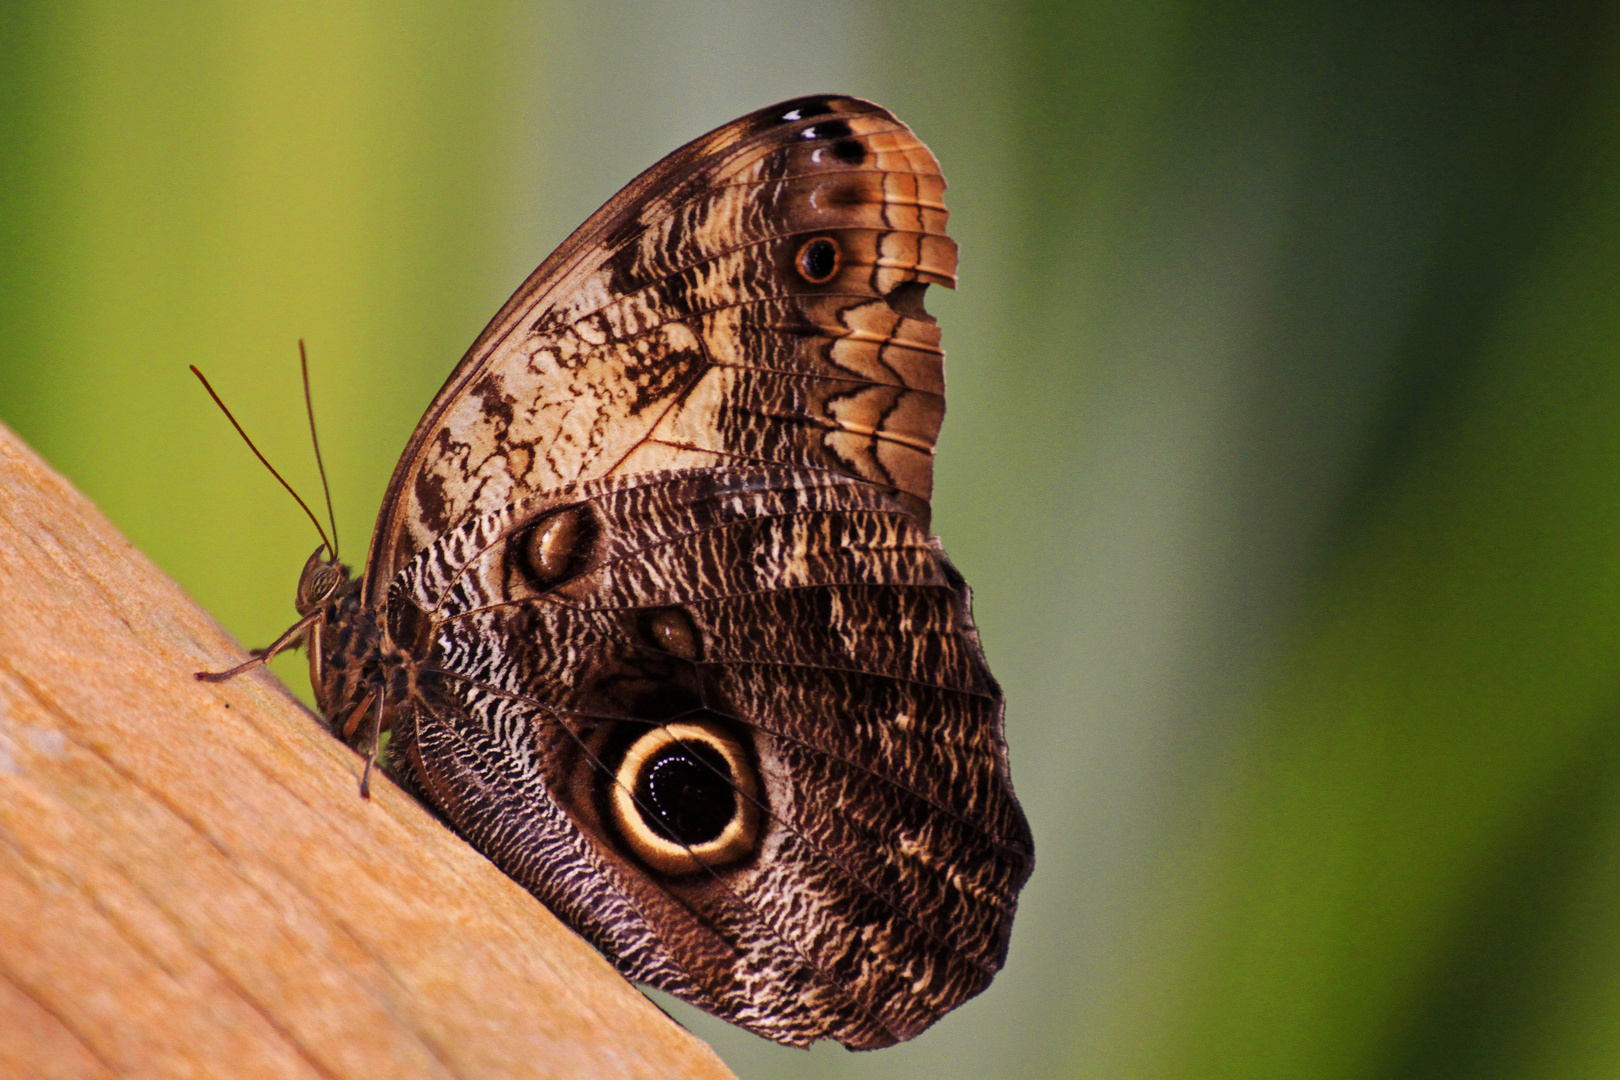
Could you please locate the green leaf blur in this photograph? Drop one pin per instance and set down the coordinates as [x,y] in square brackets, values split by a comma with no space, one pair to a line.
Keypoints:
[1283,454]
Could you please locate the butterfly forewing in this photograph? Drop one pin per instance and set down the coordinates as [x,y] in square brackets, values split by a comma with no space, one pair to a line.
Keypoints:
[654,612]
[676,329]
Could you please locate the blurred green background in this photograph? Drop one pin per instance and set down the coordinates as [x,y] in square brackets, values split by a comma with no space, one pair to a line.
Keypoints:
[1283,453]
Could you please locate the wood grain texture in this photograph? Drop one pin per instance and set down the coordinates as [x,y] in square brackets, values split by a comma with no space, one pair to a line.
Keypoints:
[190,885]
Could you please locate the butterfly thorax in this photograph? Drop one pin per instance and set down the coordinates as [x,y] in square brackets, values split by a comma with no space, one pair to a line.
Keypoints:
[345,644]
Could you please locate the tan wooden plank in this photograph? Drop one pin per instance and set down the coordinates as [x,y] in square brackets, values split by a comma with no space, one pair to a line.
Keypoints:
[190,884]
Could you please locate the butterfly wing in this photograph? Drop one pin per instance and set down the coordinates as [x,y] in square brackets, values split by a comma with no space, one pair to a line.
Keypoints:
[820,634]
[689,664]
[700,319]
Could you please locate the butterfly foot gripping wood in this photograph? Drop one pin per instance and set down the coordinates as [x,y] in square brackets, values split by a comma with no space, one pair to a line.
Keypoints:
[188,885]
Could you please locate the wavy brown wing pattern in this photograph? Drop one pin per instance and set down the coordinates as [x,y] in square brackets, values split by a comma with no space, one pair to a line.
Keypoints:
[654,612]
[824,635]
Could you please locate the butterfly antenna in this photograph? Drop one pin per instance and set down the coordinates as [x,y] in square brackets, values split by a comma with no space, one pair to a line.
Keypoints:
[313,519]
[309,409]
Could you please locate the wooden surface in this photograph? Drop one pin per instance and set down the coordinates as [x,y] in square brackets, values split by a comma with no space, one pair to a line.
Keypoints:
[191,886]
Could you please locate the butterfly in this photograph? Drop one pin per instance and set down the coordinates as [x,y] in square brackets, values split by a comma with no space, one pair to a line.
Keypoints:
[652,611]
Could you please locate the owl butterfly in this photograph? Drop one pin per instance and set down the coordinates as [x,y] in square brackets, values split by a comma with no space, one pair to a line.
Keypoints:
[653,612]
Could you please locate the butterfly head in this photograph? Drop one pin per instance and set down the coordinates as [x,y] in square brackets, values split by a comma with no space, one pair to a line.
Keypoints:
[320,581]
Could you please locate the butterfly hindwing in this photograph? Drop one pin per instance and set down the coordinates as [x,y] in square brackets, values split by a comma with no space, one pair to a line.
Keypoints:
[821,631]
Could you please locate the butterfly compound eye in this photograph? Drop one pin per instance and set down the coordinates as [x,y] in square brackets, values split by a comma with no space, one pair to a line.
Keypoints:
[818,260]
[686,798]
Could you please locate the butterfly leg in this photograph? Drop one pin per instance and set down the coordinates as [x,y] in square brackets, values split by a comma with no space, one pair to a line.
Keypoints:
[290,639]
[376,741]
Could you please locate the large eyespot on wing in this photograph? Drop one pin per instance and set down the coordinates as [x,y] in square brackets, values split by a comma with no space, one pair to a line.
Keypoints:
[754,298]
[683,798]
